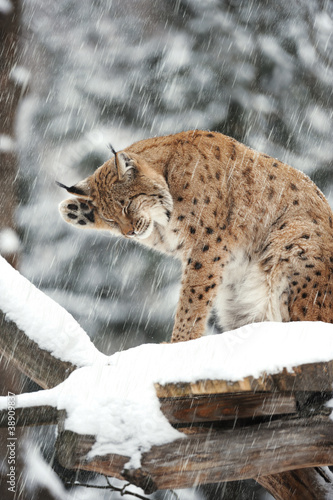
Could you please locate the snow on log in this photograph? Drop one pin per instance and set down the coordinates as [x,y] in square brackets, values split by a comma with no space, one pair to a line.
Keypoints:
[115,400]
[116,414]
[42,320]
[38,364]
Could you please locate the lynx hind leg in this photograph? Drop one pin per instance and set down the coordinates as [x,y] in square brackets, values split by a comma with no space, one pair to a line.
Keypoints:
[77,212]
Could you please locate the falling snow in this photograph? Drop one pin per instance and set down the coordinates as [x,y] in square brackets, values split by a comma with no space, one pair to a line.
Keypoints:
[7,145]
[6,7]
[119,71]
[9,241]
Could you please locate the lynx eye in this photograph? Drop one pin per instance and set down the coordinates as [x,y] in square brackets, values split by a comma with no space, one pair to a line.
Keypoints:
[125,209]
[137,195]
[107,220]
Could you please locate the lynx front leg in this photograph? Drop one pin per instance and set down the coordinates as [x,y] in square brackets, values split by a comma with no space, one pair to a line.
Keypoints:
[201,278]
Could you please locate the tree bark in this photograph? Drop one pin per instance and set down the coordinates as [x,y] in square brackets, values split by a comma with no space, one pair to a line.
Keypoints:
[209,455]
[303,484]
[224,407]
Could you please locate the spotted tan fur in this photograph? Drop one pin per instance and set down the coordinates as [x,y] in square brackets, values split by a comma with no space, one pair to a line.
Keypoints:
[254,235]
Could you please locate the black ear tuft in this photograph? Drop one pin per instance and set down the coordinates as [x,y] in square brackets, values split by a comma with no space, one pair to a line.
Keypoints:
[115,156]
[112,149]
[61,185]
[75,190]
[72,189]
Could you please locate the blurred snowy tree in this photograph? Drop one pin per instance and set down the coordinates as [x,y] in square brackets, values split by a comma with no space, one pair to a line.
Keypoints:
[121,71]
[9,97]
[13,84]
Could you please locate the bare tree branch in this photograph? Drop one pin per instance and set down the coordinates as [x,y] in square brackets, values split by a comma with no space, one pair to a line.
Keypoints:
[109,486]
[123,491]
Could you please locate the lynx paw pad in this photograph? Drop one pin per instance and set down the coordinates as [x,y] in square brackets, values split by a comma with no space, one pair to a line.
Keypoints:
[77,212]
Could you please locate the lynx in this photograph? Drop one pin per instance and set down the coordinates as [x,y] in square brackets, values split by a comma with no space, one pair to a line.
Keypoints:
[254,235]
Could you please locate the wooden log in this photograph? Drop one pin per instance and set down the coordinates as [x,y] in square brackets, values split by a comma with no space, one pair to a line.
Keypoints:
[220,407]
[209,455]
[72,450]
[38,364]
[199,409]
[183,410]
[303,484]
[314,377]
[31,416]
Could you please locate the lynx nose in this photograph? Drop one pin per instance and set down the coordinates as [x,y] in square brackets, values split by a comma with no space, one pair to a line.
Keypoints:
[127,228]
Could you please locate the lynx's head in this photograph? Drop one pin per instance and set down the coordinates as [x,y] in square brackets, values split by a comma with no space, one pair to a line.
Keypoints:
[125,195]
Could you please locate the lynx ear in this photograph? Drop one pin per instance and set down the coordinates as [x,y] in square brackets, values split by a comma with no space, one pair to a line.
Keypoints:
[125,166]
[81,189]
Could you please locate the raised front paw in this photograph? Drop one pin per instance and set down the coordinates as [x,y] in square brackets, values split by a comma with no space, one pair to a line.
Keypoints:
[77,212]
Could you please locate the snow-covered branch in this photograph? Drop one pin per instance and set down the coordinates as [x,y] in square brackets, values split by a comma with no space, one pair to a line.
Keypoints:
[116,415]
[40,337]
[38,364]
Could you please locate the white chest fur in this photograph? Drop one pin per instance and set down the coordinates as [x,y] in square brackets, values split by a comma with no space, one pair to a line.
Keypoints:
[247,294]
